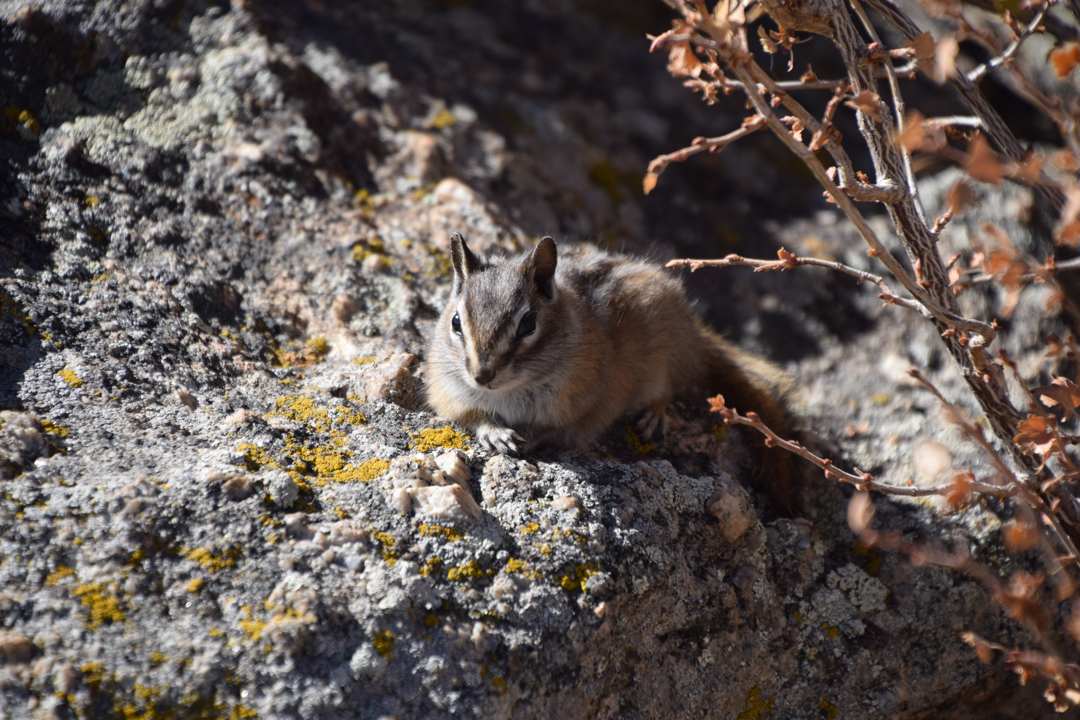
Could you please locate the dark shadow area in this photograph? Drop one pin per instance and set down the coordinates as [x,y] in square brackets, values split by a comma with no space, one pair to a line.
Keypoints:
[709,206]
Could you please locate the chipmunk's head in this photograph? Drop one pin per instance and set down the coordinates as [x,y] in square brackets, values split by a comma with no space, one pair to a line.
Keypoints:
[499,315]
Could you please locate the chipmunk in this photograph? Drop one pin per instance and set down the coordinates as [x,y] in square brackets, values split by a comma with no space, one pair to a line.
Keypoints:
[551,347]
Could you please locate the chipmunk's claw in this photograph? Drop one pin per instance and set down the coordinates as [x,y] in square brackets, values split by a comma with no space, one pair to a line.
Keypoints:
[652,425]
[499,439]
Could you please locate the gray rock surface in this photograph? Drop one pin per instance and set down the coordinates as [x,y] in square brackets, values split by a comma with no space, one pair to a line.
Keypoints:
[225,239]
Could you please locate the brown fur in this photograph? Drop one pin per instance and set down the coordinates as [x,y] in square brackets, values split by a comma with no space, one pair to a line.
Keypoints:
[614,336]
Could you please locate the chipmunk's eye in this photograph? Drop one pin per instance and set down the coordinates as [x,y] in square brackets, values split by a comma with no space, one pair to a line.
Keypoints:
[455,324]
[527,324]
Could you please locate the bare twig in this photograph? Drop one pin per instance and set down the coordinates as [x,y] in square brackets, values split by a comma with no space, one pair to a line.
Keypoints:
[861,480]
[1005,57]
[716,144]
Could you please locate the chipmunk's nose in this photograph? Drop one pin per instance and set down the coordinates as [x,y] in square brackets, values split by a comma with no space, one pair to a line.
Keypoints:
[485,376]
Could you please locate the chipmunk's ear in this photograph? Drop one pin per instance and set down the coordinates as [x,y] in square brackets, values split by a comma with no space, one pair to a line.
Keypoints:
[465,262]
[541,266]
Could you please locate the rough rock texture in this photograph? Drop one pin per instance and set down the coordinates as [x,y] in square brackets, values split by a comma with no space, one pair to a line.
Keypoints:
[225,235]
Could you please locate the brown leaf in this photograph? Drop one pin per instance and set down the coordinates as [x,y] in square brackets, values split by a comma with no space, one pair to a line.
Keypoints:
[1036,437]
[716,404]
[915,132]
[982,648]
[649,182]
[924,47]
[1022,603]
[683,61]
[766,42]
[860,511]
[1062,392]
[945,59]
[1065,58]
[869,103]
[959,494]
[960,197]
[1030,170]
[808,76]
[982,163]
[1020,536]
[1067,231]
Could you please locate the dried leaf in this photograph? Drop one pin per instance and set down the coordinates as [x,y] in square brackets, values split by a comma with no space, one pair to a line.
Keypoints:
[960,197]
[959,494]
[1036,437]
[808,76]
[1020,536]
[945,59]
[1061,392]
[766,42]
[860,511]
[915,132]
[649,182]
[1030,170]
[869,103]
[924,47]
[716,404]
[983,164]
[982,648]
[930,460]
[1022,603]
[683,61]
[1068,230]
[1065,58]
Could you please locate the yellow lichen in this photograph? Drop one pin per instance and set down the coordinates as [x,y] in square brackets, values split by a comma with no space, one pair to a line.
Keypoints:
[444,437]
[255,458]
[59,574]
[214,562]
[388,542]
[530,528]
[440,531]
[196,585]
[431,566]
[364,472]
[606,176]
[384,643]
[365,360]
[720,431]
[252,626]
[53,428]
[635,441]
[319,345]
[301,408]
[341,514]
[462,573]
[350,416]
[514,565]
[442,263]
[443,119]
[104,606]
[70,377]
[576,579]
[830,711]
[754,708]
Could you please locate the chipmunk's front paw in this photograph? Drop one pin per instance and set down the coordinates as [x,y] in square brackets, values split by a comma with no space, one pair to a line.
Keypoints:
[652,425]
[499,439]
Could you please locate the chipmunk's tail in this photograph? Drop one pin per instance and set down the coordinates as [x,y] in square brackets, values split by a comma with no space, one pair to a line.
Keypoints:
[753,384]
